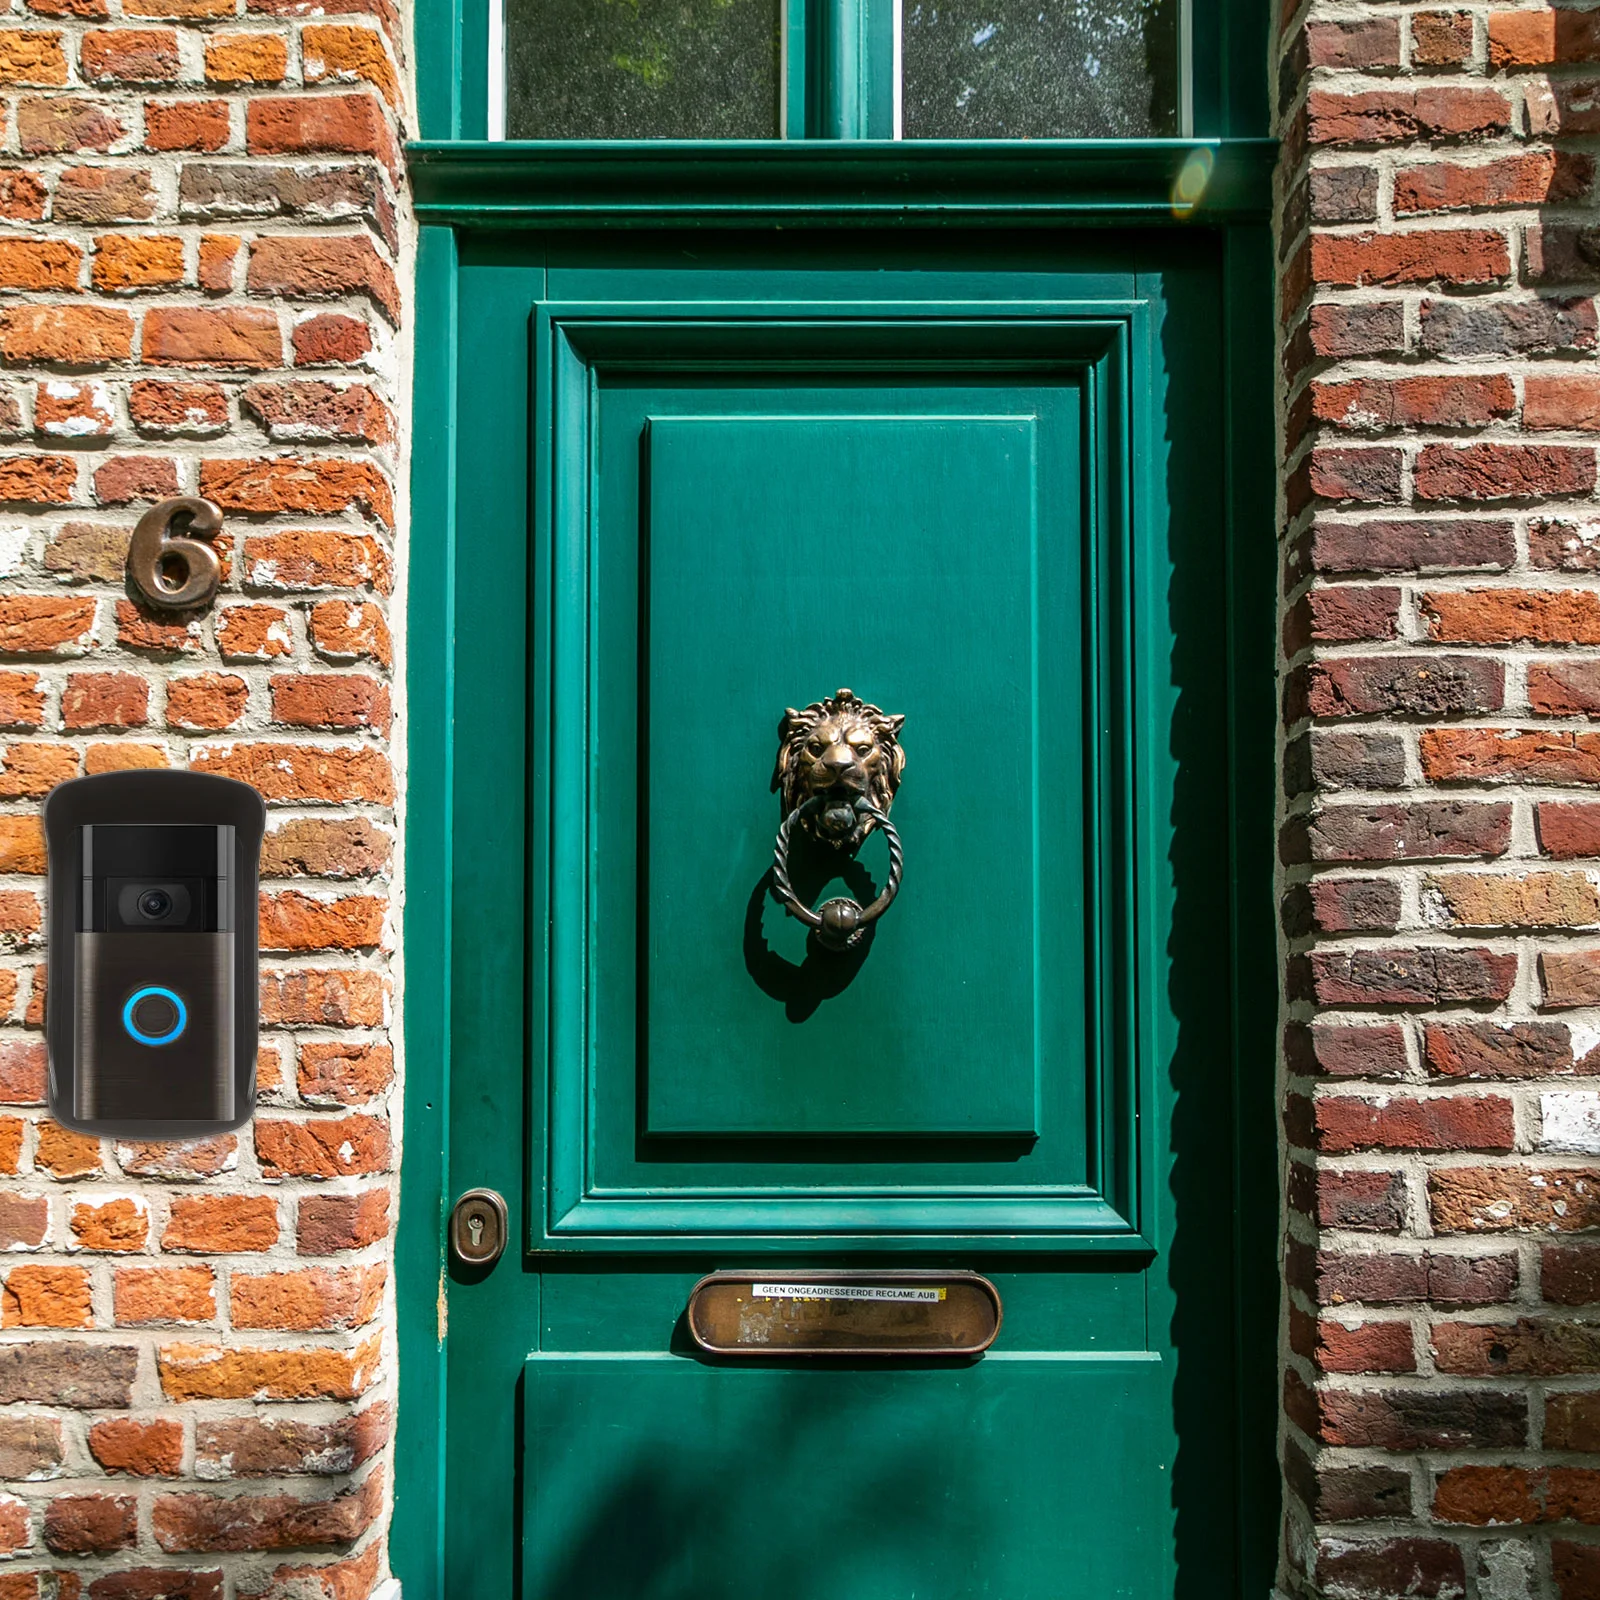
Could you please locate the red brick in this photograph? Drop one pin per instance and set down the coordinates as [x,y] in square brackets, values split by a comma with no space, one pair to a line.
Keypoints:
[316,487]
[338,1147]
[1506,616]
[1542,177]
[230,1447]
[22,1072]
[1426,830]
[41,1296]
[1569,1275]
[106,194]
[123,262]
[168,407]
[69,336]
[1569,978]
[301,558]
[164,1296]
[222,1223]
[1509,755]
[141,1449]
[38,480]
[246,58]
[1386,116]
[343,630]
[130,55]
[304,774]
[73,410]
[23,197]
[32,56]
[1441,38]
[1530,1346]
[1426,975]
[1482,1495]
[21,701]
[66,1153]
[185,1522]
[24,1220]
[310,1300]
[185,124]
[105,700]
[352,124]
[1566,404]
[206,702]
[114,1225]
[1506,1199]
[1541,38]
[1466,256]
[1499,1050]
[344,1074]
[61,125]
[1436,401]
[1435,685]
[330,339]
[38,624]
[293,921]
[331,1223]
[238,336]
[254,633]
[1502,471]
[323,700]
[1564,688]
[140,628]
[1457,1122]
[319,847]
[321,269]
[208,1372]
[90,1524]
[179,1159]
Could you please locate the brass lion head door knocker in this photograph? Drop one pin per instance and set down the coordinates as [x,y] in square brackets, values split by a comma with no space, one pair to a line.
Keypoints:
[839,764]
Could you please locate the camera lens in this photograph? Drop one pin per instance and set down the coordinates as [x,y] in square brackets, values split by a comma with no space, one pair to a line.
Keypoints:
[155,904]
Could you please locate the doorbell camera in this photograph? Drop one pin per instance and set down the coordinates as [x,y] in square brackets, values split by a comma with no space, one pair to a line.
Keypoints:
[151,1006]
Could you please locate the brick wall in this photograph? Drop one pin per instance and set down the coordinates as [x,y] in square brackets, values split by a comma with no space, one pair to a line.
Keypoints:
[199,293]
[1441,840]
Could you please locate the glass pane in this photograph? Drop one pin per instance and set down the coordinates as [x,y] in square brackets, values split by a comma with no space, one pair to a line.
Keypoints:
[1019,69]
[642,69]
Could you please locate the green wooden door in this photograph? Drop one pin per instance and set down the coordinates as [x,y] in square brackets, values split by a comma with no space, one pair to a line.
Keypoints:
[983,480]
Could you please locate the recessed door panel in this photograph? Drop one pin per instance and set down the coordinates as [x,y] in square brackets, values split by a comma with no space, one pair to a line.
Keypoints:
[789,555]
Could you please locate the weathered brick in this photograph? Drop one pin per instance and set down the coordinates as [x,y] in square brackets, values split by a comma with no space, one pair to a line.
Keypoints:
[1507,755]
[151,1449]
[90,1524]
[221,1223]
[335,1147]
[246,58]
[329,1224]
[282,1447]
[311,1299]
[1503,1199]
[210,1372]
[1499,1050]
[164,1296]
[1425,975]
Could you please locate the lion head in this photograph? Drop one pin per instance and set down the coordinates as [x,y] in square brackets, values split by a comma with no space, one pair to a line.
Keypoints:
[841,750]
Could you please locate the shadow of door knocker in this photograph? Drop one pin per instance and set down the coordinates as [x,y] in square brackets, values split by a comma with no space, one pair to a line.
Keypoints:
[839,764]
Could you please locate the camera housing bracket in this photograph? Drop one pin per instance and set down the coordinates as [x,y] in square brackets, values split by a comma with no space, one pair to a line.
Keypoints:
[152,1009]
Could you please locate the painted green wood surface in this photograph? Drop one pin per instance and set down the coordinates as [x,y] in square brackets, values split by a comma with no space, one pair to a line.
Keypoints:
[858,1484]
[861,550]
[608,1296]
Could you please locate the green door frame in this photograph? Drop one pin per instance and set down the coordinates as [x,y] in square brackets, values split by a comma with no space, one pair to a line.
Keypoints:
[461,185]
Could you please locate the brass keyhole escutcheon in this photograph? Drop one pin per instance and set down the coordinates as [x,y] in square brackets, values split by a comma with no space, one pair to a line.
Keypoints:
[173,571]
[479,1228]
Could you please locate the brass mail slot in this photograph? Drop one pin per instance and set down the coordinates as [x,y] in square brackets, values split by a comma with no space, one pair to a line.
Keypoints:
[903,1313]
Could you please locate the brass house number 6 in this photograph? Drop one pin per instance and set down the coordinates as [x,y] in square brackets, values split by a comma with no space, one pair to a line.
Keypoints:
[174,571]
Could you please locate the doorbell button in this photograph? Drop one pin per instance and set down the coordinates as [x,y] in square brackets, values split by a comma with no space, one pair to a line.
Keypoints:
[154,1015]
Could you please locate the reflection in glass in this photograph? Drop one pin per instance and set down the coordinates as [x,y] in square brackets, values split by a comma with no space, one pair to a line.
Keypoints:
[1017,69]
[642,69]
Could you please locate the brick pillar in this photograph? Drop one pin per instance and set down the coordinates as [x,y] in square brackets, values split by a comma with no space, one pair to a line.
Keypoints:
[1441,838]
[198,293]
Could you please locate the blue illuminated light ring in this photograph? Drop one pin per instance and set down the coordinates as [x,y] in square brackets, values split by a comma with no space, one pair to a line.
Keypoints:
[154,1038]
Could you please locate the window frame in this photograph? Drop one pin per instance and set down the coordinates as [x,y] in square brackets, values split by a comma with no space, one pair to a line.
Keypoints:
[461,94]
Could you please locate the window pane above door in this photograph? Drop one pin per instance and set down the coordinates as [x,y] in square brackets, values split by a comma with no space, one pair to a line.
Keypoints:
[642,69]
[1021,69]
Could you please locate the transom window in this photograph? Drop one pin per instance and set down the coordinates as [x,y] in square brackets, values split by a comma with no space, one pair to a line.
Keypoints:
[764,69]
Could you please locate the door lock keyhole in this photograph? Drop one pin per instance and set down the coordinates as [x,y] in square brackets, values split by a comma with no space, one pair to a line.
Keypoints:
[478,1227]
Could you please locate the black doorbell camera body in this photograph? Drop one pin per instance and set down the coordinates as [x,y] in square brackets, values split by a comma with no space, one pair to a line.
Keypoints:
[151,1007]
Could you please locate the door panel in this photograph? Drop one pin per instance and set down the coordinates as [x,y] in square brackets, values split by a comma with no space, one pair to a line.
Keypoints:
[934,510]
[857,1485]
[981,489]
[845,546]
